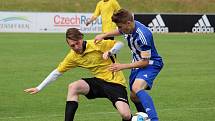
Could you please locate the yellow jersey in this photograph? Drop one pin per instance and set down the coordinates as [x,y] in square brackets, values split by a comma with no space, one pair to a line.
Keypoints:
[106,10]
[92,60]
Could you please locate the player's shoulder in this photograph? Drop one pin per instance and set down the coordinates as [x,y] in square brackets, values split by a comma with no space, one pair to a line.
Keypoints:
[140,28]
[108,42]
[100,2]
[71,54]
[139,25]
[90,42]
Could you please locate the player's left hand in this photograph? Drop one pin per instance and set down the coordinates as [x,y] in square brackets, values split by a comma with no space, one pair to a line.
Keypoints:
[87,23]
[116,67]
[31,90]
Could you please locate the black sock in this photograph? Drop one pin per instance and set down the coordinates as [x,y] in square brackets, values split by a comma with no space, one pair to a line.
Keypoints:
[71,107]
[139,107]
[127,120]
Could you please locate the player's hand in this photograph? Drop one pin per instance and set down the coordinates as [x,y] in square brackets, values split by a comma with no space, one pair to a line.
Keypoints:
[106,55]
[31,90]
[116,67]
[87,23]
[99,38]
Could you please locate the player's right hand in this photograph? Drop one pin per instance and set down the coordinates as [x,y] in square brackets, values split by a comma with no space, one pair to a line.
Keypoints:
[87,23]
[99,38]
[31,90]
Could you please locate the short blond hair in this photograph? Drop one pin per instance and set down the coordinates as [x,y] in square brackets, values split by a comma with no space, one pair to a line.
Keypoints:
[122,16]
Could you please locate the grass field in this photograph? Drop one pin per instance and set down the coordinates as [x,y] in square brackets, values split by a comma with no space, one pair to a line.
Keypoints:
[184,90]
[138,6]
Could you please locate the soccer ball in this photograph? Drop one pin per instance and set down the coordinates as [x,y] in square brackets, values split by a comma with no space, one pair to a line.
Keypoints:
[140,116]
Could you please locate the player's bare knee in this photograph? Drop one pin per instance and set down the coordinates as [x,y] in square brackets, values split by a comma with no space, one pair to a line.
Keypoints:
[138,85]
[135,88]
[73,87]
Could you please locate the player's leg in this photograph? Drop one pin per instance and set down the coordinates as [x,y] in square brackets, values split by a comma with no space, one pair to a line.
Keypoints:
[74,90]
[124,110]
[133,97]
[137,102]
[143,79]
[117,94]
[138,88]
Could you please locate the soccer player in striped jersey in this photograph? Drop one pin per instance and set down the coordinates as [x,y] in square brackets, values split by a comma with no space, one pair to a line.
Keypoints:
[146,63]
[105,8]
[105,84]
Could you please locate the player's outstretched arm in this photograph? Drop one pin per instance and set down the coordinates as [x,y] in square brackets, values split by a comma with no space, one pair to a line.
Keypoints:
[138,64]
[100,37]
[91,20]
[50,78]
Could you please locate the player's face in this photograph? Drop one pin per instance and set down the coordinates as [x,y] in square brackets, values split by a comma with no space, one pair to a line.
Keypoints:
[126,28]
[76,45]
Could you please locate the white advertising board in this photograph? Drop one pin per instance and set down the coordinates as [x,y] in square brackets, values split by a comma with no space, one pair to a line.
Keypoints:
[47,22]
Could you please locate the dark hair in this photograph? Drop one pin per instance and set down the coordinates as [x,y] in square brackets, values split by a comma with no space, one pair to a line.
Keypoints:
[74,34]
[122,16]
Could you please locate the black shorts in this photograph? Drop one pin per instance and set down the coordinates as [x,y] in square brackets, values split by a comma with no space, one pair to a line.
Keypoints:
[102,89]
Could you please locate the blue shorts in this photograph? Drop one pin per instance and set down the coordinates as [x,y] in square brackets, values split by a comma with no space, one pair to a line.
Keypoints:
[148,74]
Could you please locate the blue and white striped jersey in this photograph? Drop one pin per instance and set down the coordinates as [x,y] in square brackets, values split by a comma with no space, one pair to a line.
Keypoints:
[141,39]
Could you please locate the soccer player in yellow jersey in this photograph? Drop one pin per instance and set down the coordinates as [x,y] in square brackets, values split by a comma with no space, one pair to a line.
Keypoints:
[96,58]
[105,8]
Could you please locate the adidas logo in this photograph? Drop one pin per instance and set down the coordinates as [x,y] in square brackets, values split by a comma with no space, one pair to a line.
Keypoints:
[157,25]
[203,26]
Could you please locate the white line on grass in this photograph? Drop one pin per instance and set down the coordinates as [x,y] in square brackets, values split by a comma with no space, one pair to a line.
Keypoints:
[101,113]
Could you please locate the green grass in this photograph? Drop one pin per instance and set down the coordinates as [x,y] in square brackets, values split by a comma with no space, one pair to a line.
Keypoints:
[183,91]
[140,6]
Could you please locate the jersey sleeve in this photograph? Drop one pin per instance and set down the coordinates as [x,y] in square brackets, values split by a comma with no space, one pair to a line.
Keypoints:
[145,49]
[67,63]
[105,45]
[97,11]
[143,41]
